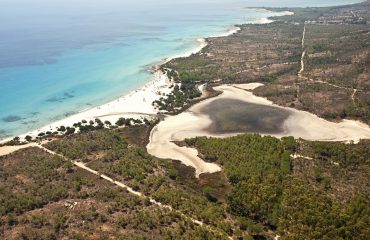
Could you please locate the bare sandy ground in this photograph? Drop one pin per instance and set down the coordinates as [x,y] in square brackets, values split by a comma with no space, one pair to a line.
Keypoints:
[306,125]
[10,149]
[178,128]
[193,123]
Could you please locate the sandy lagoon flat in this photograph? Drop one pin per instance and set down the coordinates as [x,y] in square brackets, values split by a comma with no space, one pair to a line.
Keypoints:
[193,122]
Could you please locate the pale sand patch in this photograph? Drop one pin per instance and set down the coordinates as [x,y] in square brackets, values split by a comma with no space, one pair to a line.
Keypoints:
[301,124]
[10,149]
[172,129]
[267,20]
[249,86]
[193,123]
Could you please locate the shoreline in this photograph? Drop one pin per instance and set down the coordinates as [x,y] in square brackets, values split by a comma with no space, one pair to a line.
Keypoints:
[136,104]
[139,98]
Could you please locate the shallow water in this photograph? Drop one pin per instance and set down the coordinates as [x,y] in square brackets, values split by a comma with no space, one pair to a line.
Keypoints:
[60,57]
[234,116]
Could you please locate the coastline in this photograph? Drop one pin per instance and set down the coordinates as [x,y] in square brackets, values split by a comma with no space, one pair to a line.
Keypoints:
[222,137]
[136,104]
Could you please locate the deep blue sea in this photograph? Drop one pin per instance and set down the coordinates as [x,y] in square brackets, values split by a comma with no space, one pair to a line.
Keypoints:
[59,57]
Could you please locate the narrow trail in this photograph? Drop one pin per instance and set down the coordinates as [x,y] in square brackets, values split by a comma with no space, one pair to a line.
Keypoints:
[5,150]
[295,156]
[132,191]
[336,86]
[355,90]
[302,65]
[300,73]
[303,52]
[353,97]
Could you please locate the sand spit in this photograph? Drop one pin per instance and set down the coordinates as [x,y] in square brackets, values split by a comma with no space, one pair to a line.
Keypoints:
[193,123]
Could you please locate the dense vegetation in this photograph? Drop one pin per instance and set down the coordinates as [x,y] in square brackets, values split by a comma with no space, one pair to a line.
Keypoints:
[114,155]
[272,190]
[265,191]
[325,197]
[181,95]
[83,127]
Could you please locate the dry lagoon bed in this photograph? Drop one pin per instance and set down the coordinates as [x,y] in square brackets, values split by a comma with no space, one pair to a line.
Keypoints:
[197,122]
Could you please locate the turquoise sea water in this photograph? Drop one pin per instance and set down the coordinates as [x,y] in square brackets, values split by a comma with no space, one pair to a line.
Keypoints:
[60,57]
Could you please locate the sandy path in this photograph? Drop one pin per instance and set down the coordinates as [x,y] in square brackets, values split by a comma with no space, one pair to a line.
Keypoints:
[10,149]
[353,97]
[303,53]
[193,123]
[136,193]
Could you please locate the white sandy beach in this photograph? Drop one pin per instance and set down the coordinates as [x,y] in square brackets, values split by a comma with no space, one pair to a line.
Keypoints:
[193,123]
[231,30]
[267,20]
[137,104]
